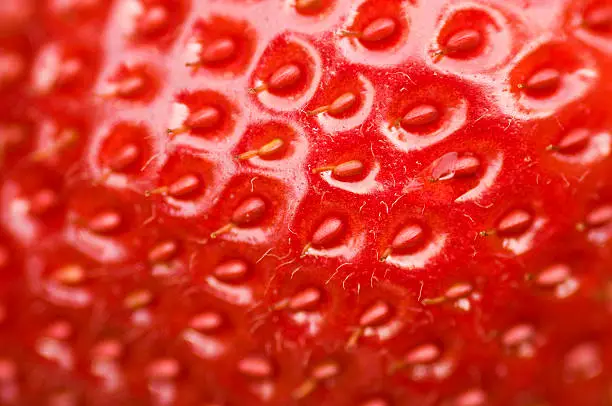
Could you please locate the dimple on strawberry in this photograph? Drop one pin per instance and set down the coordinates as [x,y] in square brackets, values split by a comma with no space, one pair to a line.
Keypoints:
[305,202]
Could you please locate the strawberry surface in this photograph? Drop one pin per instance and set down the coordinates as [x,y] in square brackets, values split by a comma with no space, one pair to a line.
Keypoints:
[305,202]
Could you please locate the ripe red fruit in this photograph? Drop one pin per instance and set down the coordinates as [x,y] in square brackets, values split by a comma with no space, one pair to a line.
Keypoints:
[306,202]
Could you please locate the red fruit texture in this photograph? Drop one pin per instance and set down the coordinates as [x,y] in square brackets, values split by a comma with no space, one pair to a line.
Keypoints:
[305,202]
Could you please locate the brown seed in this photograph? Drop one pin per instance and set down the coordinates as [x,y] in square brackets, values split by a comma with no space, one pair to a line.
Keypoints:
[8,370]
[163,251]
[325,370]
[574,141]
[219,50]
[514,223]
[12,134]
[307,299]
[64,138]
[43,201]
[379,30]
[583,362]
[600,216]
[544,80]
[138,299]
[4,256]
[375,402]
[271,149]
[451,166]
[126,156]
[377,314]
[70,274]
[518,335]
[462,42]
[599,18]
[105,222]
[108,349]
[444,167]
[60,330]
[256,367]
[12,67]
[472,397]
[250,211]
[348,169]
[467,165]
[284,77]
[458,291]
[420,116]
[69,71]
[130,86]
[306,6]
[233,270]
[553,275]
[152,21]
[204,119]
[329,232]
[185,186]
[206,322]
[342,103]
[409,237]
[163,369]
[423,354]
[63,398]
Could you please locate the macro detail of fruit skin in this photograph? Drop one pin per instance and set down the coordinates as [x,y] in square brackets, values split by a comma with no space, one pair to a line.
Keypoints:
[306,202]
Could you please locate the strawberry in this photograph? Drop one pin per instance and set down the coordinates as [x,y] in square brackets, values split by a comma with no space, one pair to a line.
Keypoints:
[305,202]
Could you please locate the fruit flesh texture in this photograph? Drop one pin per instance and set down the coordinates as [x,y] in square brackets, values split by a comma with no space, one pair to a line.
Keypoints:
[113,294]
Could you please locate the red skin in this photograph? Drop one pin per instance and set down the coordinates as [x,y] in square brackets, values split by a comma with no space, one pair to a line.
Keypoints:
[498,294]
